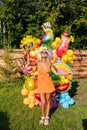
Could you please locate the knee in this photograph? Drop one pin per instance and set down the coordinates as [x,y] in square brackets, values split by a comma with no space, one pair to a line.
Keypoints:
[48,101]
[43,103]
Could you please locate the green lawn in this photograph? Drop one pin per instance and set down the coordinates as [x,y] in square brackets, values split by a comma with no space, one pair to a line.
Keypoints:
[14,115]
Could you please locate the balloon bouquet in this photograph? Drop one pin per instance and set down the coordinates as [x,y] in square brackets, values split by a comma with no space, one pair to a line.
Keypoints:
[61,57]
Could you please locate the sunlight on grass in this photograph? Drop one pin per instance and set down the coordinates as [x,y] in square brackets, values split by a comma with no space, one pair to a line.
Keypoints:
[14,115]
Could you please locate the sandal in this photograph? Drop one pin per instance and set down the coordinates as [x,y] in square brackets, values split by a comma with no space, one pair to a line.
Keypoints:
[46,121]
[42,120]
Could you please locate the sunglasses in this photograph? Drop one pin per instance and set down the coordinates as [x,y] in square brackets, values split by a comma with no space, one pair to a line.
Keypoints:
[44,52]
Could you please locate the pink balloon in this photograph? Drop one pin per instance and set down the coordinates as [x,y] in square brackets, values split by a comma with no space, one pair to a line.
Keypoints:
[40,104]
[38,96]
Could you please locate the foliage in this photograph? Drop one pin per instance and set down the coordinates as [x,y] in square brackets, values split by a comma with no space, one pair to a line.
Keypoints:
[25,17]
[9,70]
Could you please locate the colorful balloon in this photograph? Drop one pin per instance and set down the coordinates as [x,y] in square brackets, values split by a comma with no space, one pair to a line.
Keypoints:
[63,88]
[46,39]
[62,47]
[63,68]
[27,69]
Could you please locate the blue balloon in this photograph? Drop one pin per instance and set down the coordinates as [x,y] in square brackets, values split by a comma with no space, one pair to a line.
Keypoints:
[61,95]
[62,100]
[71,101]
[65,105]
[67,97]
[66,93]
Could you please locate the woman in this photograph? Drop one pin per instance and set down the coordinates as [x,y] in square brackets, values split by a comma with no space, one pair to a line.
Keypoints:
[45,85]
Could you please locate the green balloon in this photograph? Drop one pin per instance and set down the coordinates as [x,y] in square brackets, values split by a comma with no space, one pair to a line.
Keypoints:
[54,77]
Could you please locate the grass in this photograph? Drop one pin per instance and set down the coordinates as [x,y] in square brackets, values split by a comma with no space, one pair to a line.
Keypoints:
[14,115]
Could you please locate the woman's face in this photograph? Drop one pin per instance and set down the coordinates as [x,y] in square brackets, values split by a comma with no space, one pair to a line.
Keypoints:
[44,54]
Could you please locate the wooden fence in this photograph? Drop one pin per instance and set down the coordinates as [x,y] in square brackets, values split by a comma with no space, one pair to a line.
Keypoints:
[79,67]
[80,64]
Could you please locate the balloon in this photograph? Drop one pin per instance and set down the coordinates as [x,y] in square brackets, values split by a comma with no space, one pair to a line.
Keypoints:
[54,105]
[31,105]
[31,93]
[65,105]
[63,68]
[24,92]
[64,87]
[40,103]
[29,84]
[26,101]
[61,100]
[69,53]
[38,97]
[62,47]
[67,97]
[27,69]
[46,39]
[54,77]
[62,95]
[71,101]
[36,102]
[31,41]
[64,58]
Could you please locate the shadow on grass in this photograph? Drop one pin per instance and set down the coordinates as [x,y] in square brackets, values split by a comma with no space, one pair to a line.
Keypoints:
[73,89]
[84,123]
[4,121]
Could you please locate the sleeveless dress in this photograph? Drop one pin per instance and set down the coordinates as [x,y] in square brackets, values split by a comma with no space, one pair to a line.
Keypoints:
[45,84]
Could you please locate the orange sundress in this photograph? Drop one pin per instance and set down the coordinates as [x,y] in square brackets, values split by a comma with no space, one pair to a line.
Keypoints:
[45,84]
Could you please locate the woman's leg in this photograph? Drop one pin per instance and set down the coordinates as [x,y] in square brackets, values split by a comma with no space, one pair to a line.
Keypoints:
[48,95]
[43,103]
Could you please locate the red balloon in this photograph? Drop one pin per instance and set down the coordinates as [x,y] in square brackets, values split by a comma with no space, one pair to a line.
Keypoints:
[63,88]
[62,46]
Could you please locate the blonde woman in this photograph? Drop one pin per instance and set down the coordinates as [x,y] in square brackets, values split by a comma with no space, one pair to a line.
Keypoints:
[45,85]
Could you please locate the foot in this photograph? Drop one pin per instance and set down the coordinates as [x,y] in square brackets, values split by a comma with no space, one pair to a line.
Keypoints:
[46,121]
[42,120]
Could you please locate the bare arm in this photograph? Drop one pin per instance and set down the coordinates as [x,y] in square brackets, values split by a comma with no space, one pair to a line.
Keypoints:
[28,57]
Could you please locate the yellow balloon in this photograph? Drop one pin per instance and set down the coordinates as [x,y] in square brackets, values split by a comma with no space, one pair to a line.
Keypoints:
[57,39]
[31,105]
[69,53]
[54,44]
[74,57]
[24,92]
[64,58]
[70,58]
[66,81]
[29,83]
[36,102]
[31,92]
[71,62]
[26,101]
